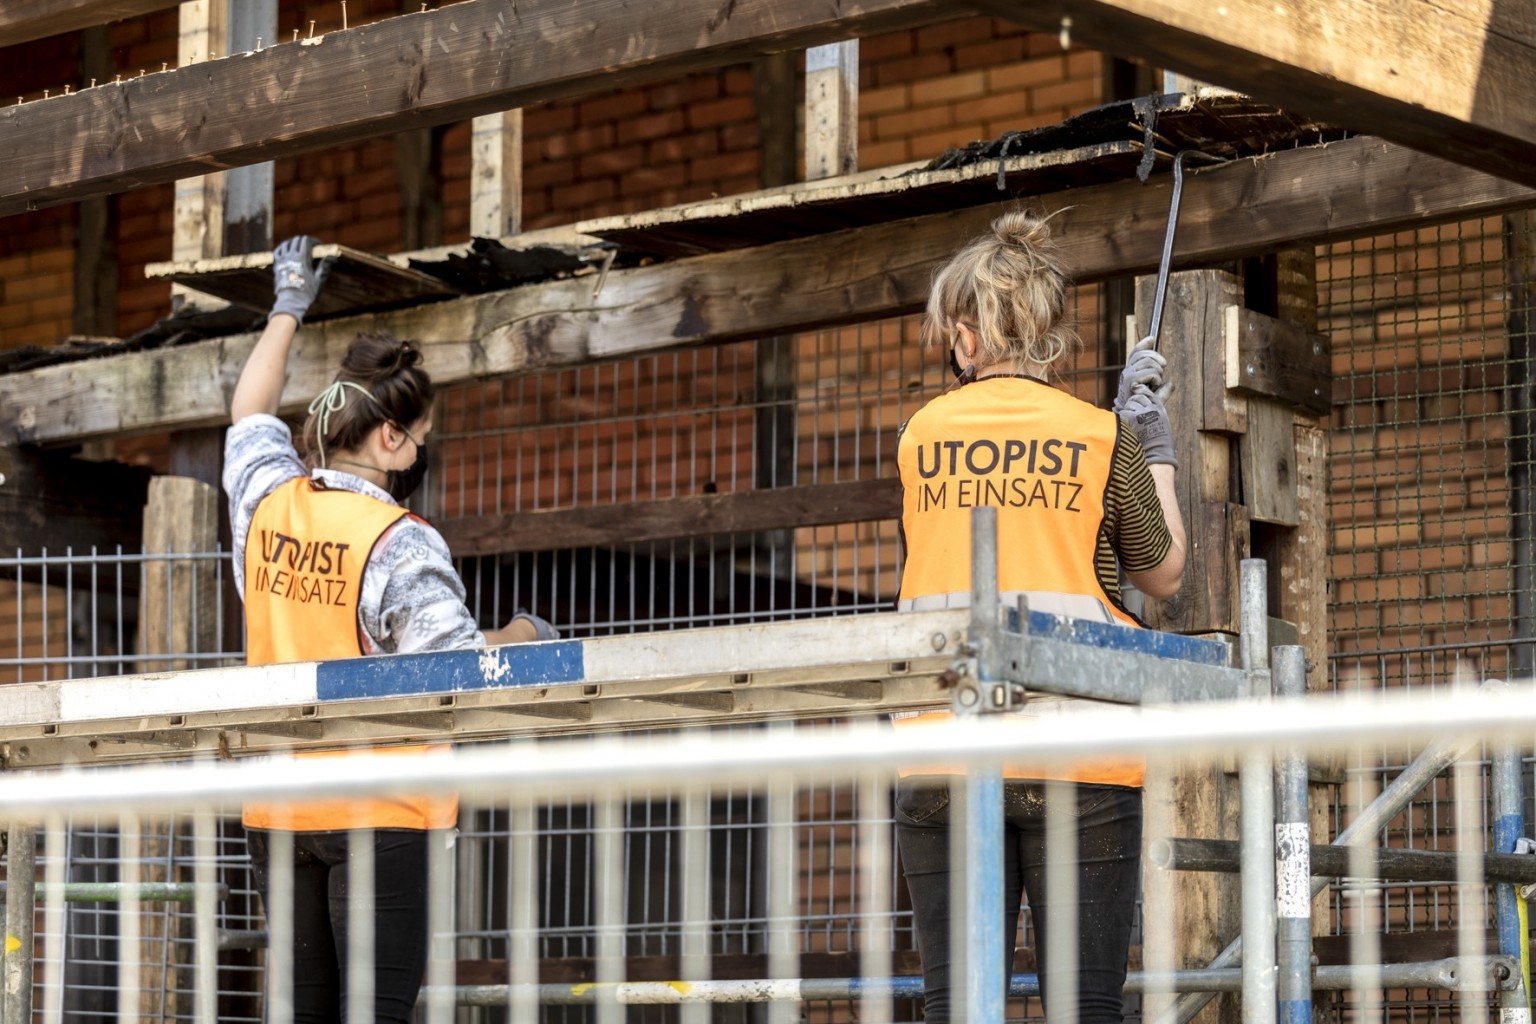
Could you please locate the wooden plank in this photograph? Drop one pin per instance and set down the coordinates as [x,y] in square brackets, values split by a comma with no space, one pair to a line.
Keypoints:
[357,281]
[178,600]
[25,20]
[496,175]
[1450,79]
[745,512]
[198,224]
[1348,189]
[1269,463]
[832,110]
[1273,359]
[779,214]
[1192,915]
[1096,147]
[449,64]
[176,616]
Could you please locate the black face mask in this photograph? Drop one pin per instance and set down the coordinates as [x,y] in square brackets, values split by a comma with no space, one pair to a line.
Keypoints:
[964,376]
[404,482]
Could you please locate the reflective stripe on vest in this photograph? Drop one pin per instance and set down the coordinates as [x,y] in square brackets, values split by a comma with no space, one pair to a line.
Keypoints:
[304,559]
[1040,457]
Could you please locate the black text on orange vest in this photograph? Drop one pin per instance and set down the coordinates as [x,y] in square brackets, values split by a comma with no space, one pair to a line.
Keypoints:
[1012,473]
[307,572]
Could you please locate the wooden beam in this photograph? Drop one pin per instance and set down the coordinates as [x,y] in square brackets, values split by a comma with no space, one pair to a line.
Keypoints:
[1450,79]
[702,515]
[496,175]
[95,284]
[832,110]
[432,67]
[1348,189]
[198,224]
[24,21]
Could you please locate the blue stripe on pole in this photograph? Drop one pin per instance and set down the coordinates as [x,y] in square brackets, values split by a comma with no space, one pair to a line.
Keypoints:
[1294,1011]
[494,668]
[1507,829]
[1122,638]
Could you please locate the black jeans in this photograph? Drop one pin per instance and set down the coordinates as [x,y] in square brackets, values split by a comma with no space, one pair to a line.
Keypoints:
[320,894]
[1108,873]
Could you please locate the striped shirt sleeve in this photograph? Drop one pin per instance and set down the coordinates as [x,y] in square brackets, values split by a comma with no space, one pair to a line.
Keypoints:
[1134,521]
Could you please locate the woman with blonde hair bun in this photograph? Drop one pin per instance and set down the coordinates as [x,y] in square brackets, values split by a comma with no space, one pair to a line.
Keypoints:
[1081,494]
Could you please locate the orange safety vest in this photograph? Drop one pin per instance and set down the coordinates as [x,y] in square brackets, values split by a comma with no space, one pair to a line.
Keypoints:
[304,559]
[1040,457]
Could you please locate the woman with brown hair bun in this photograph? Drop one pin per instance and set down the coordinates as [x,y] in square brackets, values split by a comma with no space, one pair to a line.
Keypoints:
[1080,493]
[330,565]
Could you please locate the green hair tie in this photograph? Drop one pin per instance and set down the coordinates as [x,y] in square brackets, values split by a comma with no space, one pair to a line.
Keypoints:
[333,399]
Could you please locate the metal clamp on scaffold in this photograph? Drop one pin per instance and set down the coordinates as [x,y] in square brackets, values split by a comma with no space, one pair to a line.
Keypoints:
[977,676]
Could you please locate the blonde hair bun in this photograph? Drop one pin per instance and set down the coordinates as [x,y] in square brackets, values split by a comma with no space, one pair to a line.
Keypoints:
[1012,287]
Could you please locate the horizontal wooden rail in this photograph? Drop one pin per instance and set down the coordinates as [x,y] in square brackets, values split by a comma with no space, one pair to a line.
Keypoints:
[700,515]
[412,71]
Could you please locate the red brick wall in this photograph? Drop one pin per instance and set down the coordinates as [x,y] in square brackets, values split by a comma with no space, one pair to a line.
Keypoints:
[1419,551]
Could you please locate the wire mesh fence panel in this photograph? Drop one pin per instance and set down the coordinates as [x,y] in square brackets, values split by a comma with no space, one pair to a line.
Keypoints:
[1429,510]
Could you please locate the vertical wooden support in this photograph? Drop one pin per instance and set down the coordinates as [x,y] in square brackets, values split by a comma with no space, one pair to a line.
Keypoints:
[95,301]
[1249,393]
[1197,799]
[496,176]
[227,211]
[177,616]
[831,110]
[421,189]
[773,89]
[199,205]
[1204,419]
[1300,554]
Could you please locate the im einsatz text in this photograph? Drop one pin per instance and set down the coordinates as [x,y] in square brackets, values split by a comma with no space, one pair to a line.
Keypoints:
[305,571]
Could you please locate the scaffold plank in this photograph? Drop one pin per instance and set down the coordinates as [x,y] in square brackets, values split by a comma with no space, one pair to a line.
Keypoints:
[813,667]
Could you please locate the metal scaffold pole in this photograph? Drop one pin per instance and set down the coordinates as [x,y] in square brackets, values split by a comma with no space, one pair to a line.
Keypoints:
[1293,862]
[986,956]
[20,871]
[1258,812]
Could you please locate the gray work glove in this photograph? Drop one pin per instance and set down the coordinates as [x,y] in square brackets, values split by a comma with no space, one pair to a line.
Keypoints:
[1147,417]
[296,280]
[544,630]
[1144,365]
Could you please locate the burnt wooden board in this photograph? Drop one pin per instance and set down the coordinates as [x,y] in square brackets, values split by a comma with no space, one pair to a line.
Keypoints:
[358,281]
[1449,79]
[780,508]
[1108,143]
[777,215]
